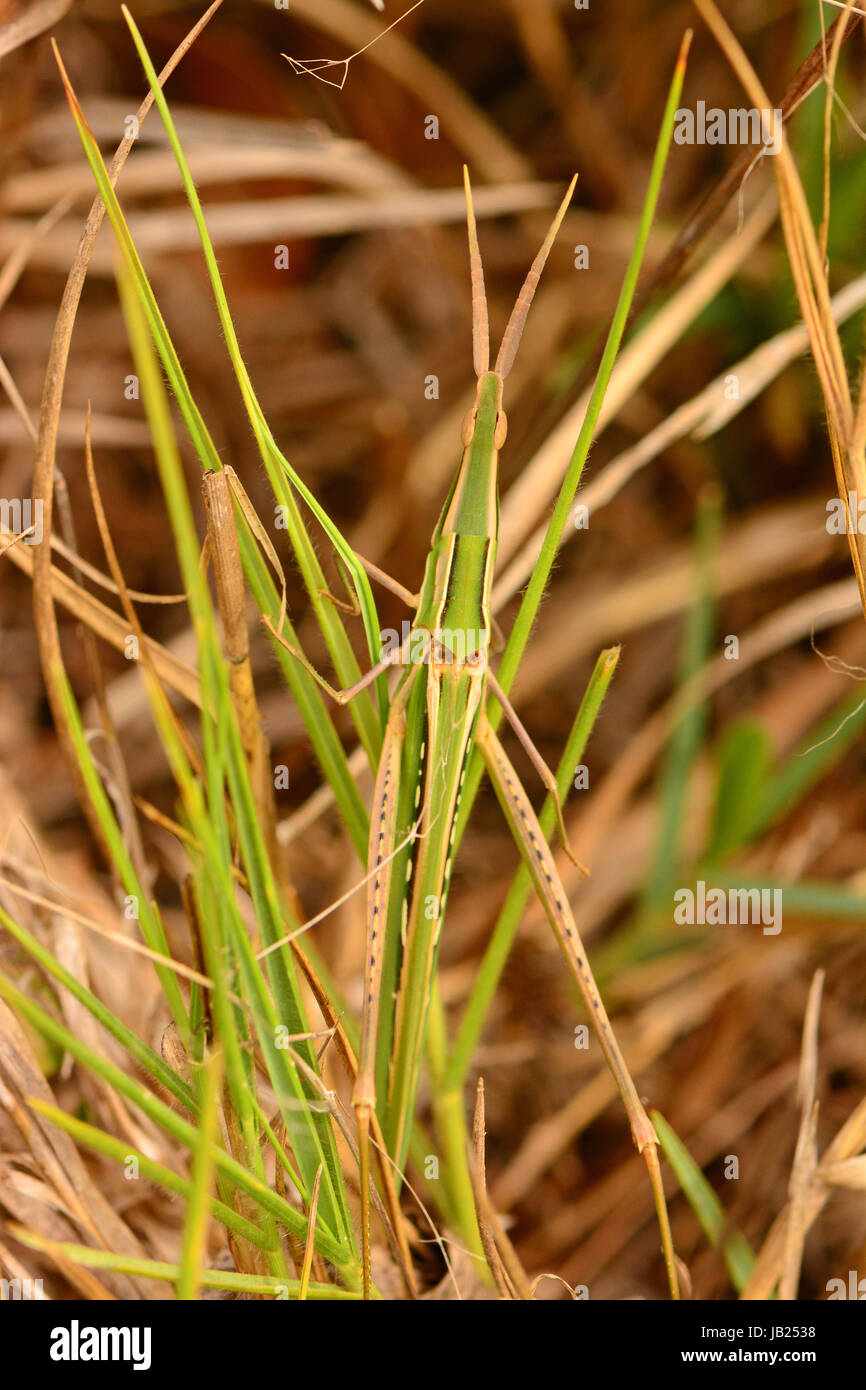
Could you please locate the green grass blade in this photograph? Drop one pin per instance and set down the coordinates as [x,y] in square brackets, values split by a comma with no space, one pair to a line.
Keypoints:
[688,732]
[204,446]
[120,1151]
[148,918]
[534,592]
[317,721]
[312,1144]
[198,1209]
[311,1134]
[178,1128]
[736,1251]
[144,1055]
[278,465]
[146,328]
[168,1273]
[743,758]
[804,898]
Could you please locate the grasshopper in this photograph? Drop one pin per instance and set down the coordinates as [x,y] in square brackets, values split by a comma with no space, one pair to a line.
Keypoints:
[436,717]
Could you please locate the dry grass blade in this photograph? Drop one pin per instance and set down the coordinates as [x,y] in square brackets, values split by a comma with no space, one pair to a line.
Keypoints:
[850,1174]
[76,1198]
[16,262]
[806,78]
[111,626]
[149,671]
[810,278]
[14,1269]
[124,942]
[83,567]
[701,417]
[488,1239]
[806,1156]
[38,17]
[848,1143]
[529,495]
[264,220]
[506,1267]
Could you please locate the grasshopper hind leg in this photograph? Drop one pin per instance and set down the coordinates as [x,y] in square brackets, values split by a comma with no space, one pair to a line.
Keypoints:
[551,892]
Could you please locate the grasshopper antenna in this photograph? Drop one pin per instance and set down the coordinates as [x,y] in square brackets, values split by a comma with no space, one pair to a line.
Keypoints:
[480,323]
[511,337]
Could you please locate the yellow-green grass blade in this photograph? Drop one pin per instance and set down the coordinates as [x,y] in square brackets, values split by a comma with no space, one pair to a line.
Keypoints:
[221,749]
[317,1139]
[144,1055]
[139,303]
[169,1273]
[278,466]
[177,1127]
[311,1133]
[121,1151]
[198,1210]
[231,1024]
[147,915]
[736,1251]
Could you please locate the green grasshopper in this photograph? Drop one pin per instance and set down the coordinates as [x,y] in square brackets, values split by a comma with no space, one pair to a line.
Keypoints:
[436,716]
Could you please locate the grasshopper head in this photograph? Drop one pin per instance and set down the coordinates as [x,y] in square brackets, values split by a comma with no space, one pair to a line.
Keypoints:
[488,397]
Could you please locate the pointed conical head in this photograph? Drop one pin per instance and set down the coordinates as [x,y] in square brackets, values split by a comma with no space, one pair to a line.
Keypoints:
[480,322]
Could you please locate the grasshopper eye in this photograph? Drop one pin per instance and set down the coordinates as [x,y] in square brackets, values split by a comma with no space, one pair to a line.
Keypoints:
[468,427]
[501,430]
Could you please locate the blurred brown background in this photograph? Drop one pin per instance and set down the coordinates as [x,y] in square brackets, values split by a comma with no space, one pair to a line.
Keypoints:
[340,345]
